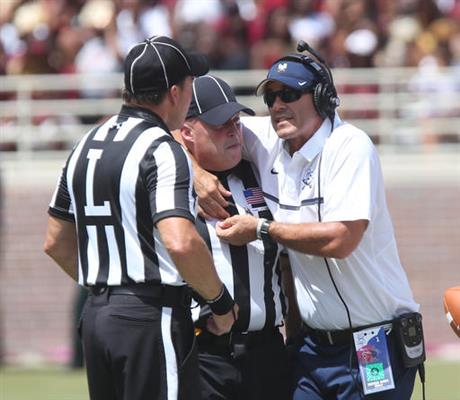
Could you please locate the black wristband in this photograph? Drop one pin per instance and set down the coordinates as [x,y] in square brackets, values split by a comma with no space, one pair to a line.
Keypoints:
[223,303]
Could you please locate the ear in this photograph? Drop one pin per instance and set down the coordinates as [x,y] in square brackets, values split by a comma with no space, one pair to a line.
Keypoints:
[173,95]
[187,134]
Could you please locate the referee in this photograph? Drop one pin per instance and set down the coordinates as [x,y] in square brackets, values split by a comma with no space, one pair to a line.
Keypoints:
[121,222]
[251,361]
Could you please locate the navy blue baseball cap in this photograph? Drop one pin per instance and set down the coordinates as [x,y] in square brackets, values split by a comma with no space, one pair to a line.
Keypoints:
[290,73]
[213,101]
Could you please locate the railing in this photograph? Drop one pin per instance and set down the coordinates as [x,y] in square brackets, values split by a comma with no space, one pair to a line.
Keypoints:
[400,108]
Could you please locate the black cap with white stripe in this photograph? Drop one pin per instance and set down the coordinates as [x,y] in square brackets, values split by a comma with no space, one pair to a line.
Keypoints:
[160,62]
[213,101]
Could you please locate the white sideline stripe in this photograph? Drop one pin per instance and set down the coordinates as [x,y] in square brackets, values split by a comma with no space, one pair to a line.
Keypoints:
[170,354]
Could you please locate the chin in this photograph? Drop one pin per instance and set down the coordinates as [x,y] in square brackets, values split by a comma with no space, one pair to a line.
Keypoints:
[285,132]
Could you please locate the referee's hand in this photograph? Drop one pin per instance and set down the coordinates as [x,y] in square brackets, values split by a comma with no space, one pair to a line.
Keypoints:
[220,324]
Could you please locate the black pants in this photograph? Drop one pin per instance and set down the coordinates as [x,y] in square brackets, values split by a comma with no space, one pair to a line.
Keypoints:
[240,367]
[136,349]
[77,349]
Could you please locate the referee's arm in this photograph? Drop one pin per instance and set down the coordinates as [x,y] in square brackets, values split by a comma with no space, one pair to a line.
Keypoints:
[191,256]
[194,262]
[61,245]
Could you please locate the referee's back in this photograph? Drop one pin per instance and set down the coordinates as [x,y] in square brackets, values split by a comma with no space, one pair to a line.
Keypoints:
[107,177]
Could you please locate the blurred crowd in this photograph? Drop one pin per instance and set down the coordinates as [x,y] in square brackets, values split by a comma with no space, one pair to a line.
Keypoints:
[68,36]
[93,36]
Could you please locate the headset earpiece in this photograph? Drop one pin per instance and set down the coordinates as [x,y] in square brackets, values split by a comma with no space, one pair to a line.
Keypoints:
[325,100]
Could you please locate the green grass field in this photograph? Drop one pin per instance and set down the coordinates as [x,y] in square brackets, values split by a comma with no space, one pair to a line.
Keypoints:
[443,383]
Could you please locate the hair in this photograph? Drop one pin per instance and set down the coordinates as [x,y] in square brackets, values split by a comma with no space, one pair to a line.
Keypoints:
[143,98]
[154,98]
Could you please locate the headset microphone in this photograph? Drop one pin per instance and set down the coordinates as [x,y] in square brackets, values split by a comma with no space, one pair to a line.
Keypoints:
[304,46]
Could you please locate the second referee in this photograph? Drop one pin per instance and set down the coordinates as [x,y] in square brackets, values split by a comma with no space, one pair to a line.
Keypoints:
[250,362]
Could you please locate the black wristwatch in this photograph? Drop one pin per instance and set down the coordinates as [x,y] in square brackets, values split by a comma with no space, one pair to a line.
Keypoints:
[262,229]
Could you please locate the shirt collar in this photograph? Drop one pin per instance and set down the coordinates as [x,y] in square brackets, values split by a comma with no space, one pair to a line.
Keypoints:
[315,144]
[145,114]
[238,170]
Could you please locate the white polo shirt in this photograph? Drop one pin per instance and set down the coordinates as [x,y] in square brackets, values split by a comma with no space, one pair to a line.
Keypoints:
[371,280]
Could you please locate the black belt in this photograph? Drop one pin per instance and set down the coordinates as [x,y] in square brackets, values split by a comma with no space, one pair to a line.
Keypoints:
[249,339]
[337,337]
[166,295]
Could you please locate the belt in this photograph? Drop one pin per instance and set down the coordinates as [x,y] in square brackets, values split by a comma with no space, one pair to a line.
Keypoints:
[249,339]
[338,337]
[166,295]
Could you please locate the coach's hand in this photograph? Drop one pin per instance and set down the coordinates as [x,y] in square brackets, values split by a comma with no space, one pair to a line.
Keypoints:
[237,230]
[211,195]
[220,324]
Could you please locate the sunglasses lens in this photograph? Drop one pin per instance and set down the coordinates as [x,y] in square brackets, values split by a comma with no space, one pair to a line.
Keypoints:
[286,95]
[290,95]
[269,98]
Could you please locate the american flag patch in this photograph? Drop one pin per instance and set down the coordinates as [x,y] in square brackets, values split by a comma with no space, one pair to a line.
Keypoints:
[254,195]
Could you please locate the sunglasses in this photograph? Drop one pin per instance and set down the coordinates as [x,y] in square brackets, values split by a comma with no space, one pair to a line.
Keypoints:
[287,95]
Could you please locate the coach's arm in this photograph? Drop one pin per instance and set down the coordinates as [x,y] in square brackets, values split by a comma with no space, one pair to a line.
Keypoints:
[321,239]
[61,245]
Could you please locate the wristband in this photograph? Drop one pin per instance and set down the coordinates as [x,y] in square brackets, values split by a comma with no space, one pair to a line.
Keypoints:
[260,221]
[223,303]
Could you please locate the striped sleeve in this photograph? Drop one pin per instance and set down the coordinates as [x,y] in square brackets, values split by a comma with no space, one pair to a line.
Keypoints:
[61,204]
[169,182]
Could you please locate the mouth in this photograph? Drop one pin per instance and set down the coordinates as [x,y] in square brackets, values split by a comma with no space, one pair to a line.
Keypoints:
[281,118]
[236,145]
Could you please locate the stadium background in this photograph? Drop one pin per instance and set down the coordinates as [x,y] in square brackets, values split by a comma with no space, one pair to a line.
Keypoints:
[414,44]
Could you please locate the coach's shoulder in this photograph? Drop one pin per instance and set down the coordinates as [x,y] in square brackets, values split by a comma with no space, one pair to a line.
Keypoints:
[256,124]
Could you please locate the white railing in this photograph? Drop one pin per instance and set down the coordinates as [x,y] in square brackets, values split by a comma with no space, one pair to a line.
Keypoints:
[400,108]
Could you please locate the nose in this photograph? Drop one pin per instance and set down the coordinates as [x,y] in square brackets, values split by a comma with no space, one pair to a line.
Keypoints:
[277,104]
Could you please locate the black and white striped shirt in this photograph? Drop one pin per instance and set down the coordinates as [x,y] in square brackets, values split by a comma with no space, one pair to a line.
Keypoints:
[119,181]
[251,272]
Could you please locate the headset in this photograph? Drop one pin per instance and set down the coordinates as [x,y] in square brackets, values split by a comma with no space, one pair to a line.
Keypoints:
[325,97]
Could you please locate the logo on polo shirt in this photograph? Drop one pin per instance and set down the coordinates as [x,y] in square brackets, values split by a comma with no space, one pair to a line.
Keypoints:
[308,178]
[282,67]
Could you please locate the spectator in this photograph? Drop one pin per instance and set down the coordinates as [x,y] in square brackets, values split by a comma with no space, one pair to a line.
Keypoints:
[139,19]
[276,42]
[308,23]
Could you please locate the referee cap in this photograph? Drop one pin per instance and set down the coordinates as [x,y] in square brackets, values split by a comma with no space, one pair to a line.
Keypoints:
[160,62]
[213,101]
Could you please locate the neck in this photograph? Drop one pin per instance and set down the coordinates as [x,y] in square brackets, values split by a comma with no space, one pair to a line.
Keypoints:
[158,109]
[295,144]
